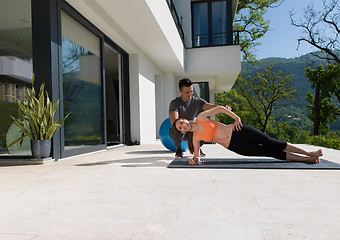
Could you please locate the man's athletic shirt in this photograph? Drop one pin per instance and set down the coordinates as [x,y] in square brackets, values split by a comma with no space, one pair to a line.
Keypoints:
[210,130]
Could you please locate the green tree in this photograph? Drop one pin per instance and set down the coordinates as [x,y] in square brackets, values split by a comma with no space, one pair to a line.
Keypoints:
[238,104]
[324,82]
[254,98]
[251,25]
[334,80]
[284,132]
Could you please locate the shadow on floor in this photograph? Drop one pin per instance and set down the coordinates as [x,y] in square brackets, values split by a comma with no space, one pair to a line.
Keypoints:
[133,162]
[151,152]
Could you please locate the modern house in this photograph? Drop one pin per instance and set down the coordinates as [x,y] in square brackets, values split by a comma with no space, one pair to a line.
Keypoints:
[115,64]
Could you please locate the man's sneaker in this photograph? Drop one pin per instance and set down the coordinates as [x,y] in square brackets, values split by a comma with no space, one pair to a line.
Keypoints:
[202,153]
[179,153]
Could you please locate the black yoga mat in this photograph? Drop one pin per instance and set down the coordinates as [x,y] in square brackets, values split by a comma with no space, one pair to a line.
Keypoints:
[253,163]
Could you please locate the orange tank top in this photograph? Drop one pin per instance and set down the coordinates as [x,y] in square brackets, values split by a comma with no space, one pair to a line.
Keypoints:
[210,130]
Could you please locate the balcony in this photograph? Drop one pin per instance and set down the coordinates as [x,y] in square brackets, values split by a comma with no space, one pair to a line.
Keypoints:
[219,65]
[202,40]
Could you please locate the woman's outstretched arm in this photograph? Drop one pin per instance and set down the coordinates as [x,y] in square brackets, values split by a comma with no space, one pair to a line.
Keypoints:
[215,110]
[220,109]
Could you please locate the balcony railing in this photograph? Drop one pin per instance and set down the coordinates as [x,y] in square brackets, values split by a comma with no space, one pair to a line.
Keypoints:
[217,39]
[178,21]
[236,37]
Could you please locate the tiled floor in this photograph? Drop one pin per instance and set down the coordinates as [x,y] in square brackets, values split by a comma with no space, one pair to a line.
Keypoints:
[128,193]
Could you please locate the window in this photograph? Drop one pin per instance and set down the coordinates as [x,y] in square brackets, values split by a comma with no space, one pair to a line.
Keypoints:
[200,25]
[15,70]
[219,23]
[82,85]
[210,23]
[201,90]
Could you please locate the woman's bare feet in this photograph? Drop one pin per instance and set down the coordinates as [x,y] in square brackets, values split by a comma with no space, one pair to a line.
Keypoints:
[297,158]
[317,153]
[312,160]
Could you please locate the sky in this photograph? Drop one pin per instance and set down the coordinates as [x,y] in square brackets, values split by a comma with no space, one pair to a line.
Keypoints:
[281,39]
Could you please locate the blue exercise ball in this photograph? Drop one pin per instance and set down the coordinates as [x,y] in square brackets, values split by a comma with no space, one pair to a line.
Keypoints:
[166,140]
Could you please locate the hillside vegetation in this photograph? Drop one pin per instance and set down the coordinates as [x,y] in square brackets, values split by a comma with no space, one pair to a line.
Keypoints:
[295,111]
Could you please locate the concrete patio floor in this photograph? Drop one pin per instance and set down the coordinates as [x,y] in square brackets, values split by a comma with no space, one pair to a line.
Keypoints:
[129,193]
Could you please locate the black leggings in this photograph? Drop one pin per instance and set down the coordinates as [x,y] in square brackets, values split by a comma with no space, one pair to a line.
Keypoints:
[252,142]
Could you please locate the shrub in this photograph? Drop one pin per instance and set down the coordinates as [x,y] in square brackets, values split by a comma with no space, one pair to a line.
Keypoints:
[325,141]
[284,132]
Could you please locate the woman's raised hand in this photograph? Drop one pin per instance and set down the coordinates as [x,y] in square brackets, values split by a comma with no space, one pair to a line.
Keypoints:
[228,107]
[237,124]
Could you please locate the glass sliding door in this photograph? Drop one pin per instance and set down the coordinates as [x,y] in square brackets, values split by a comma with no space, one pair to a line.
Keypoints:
[113,66]
[16,70]
[82,85]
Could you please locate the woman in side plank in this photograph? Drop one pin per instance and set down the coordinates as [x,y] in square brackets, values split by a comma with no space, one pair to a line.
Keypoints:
[239,138]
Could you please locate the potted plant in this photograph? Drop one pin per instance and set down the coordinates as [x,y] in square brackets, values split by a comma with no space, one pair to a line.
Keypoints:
[36,120]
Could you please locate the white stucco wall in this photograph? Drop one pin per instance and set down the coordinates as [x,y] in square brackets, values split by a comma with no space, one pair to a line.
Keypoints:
[165,92]
[212,59]
[159,93]
[147,91]
[134,96]
[164,18]
[170,92]
[147,102]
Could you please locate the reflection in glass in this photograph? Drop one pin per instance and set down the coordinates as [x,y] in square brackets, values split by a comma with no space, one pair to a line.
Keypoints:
[219,23]
[82,86]
[200,25]
[15,69]
[112,85]
[209,23]
[201,90]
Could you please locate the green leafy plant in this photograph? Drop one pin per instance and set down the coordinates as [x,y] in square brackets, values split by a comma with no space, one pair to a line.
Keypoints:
[325,141]
[36,116]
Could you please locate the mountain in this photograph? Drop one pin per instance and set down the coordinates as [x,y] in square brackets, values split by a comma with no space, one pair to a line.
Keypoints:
[296,112]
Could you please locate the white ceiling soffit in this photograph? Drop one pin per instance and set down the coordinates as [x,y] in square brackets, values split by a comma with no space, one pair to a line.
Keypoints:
[133,24]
